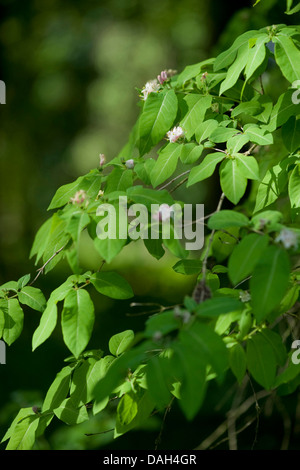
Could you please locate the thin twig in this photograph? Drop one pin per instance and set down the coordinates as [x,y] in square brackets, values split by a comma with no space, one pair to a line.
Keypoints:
[238,412]
[41,269]
[168,409]
[173,179]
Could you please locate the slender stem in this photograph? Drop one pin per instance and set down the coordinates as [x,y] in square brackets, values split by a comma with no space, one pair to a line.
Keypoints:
[41,269]
[173,179]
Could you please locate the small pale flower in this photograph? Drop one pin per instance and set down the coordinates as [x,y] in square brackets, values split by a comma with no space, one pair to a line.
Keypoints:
[164,213]
[151,87]
[162,77]
[175,134]
[129,164]
[203,77]
[245,296]
[289,238]
[102,159]
[100,194]
[79,198]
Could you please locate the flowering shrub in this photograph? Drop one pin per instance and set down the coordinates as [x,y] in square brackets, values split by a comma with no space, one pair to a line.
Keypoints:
[216,118]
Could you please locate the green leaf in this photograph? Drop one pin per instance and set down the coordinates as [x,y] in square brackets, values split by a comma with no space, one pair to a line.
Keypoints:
[47,324]
[40,240]
[120,342]
[245,256]
[269,281]
[166,164]
[23,281]
[23,435]
[64,193]
[119,179]
[162,323]
[218,306]
[227,57]
[77,320]
[235,143]
[248,166]
[188,266]
[261,360]
[77,222]
[237,361]
[70,414]
[58,390]
[290,133]
[205,129]
[144,405]
[148,196]
[158,115]
[275,341]
[226,218]
[191,370]
[222,134]
[190,153]
[207,344]
[111,284]
[205,169]
[89,183]
[13,317]
[287,56]
[270,187]
[197,106]
[294,187]
[256,56]
[233,183]
[32,297]
[251,108]
[235,69]
[258,135]
[127,409]
[157,376]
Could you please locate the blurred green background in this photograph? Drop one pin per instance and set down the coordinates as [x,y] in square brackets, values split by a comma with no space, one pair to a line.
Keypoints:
[71,70]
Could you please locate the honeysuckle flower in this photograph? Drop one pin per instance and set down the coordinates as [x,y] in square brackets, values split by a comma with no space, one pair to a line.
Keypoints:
[151,87]
[289,238]
[79,198]
[162,77]
[129,164]
[102,159]
[164,213]
[245,296]
[175,134]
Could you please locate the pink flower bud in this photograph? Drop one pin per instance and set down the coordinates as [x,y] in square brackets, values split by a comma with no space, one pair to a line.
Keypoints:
[79,198]
[102,159]
[162,77]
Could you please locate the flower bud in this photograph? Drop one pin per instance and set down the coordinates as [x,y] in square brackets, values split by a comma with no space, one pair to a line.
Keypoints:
[129,164]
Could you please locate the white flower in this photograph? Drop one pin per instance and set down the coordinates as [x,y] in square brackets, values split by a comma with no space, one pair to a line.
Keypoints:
[129,164]
[245,296]
[79,198]
[288,238]
[175,134]
[164,213]
[151,87]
